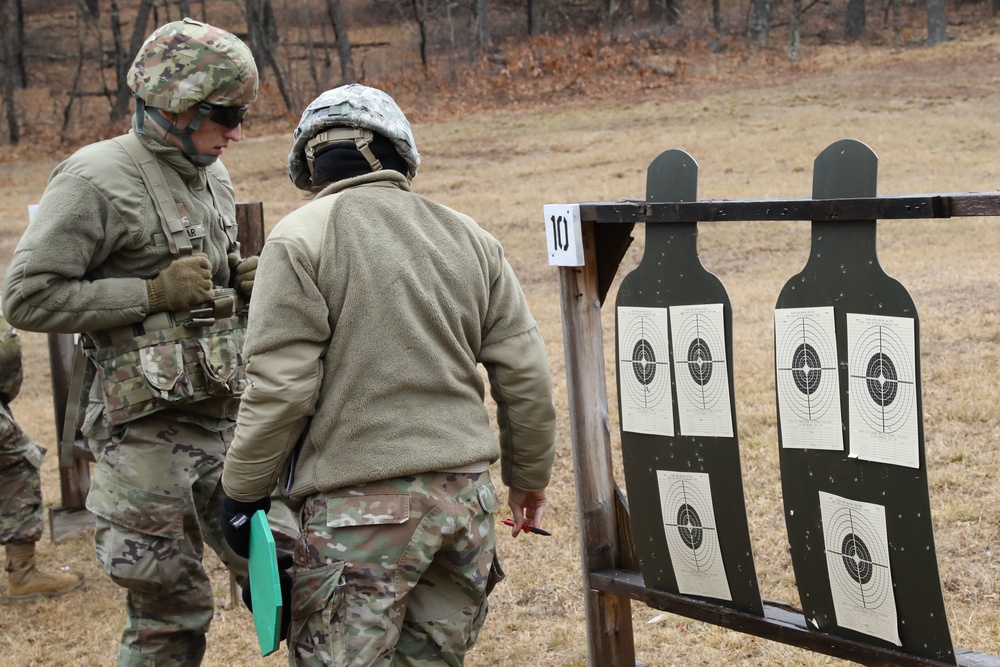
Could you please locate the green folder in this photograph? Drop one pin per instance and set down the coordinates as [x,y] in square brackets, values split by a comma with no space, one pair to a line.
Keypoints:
[264,584]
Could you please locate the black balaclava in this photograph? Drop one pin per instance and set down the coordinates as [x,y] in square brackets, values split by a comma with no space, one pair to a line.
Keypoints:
[337,161]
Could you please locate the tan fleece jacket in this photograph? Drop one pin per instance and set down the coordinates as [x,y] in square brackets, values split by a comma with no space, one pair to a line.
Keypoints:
[372,308]
[82,263]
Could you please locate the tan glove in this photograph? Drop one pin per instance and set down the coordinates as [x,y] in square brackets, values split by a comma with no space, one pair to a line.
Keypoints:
[185,283]
[244,272]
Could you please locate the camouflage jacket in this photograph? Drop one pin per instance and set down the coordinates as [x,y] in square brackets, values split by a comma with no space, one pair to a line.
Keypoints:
[372,311]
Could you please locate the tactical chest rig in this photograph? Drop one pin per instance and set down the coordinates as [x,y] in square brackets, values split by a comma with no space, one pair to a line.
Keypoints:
[172,359]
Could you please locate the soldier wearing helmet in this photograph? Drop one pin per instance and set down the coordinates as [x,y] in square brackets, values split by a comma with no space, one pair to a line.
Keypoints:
[134,246]
[365,342]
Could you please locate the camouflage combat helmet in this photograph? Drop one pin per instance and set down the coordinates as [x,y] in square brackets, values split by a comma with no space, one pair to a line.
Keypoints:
[350,113]
[188,63]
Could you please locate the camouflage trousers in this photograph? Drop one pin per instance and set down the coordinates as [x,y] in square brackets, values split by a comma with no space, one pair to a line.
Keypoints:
[394,572]
[21,518]
[157,496]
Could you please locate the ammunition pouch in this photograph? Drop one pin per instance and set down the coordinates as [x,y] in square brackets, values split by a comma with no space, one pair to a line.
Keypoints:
[172,359]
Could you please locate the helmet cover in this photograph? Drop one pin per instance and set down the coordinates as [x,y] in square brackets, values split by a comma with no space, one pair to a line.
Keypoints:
[186,62]
[353,105]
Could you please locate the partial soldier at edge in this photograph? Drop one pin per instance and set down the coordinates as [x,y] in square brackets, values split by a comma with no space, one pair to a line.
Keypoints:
[21,517]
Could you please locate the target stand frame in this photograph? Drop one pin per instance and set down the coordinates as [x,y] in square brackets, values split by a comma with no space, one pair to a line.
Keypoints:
[589,258]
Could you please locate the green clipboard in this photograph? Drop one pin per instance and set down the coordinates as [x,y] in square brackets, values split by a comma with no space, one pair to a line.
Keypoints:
[265,586]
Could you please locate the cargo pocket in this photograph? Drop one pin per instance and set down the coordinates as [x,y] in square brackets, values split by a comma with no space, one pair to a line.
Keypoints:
[163,367]
[137,533]
[496,574]
[142,380]
[318,627]
[220,361]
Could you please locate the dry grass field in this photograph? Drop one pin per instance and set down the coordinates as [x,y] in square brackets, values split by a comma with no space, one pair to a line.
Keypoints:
[755,127]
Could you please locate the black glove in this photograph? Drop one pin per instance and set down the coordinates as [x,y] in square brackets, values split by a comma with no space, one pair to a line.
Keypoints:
[285,580]
[235,522]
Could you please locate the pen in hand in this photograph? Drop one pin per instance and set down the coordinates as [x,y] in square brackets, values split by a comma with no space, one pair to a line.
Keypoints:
[528,528]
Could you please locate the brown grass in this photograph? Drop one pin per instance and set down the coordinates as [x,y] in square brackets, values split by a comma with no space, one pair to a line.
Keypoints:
[755,130]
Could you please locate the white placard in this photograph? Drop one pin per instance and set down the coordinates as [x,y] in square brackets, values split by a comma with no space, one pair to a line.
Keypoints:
[32,208]
[562,234]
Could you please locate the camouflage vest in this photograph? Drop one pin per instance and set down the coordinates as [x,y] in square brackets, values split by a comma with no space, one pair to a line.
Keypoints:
[171,359]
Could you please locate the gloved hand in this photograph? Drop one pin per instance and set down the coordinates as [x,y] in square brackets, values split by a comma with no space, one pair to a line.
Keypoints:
[244,271]
[285,581]
[235,522]
[185,283]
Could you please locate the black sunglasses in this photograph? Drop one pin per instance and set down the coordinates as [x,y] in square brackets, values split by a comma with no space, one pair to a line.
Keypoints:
[228,117]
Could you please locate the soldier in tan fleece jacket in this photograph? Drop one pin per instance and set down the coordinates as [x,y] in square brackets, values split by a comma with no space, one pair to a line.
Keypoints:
[373,307]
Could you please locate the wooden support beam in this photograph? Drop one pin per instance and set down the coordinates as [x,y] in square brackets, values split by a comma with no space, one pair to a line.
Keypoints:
[780,623]
[608,616]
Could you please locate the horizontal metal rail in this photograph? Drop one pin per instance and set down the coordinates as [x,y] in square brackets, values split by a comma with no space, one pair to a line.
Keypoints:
[862,208]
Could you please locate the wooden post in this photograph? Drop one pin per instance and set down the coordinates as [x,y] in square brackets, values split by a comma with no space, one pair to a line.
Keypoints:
[71,517]
[250,227]
[608,616]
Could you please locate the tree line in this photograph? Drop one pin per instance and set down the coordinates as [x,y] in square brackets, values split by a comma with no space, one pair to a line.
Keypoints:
[302,46]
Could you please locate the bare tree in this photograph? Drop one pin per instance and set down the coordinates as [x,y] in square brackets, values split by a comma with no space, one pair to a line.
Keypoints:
[670,11]
[794,29]
[263,33]
[20,70]
[854,26]
[420,15]
[759,22]
[937,22]
[336,12]
[122,58]
[892,9]
[535,17]
[482,32]
[9,26]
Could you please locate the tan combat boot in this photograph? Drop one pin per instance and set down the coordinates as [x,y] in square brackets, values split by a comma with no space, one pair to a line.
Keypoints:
[25,582]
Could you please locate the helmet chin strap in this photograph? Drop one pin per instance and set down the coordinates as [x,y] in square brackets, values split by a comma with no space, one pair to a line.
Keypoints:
[184,135]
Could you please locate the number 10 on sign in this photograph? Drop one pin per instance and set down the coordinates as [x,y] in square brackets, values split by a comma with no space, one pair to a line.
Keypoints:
[563,235]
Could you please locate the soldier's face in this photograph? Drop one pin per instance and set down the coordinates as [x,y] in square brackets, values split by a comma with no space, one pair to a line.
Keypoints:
[210,138]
